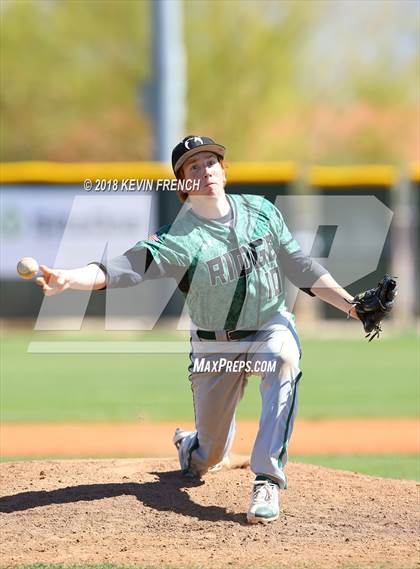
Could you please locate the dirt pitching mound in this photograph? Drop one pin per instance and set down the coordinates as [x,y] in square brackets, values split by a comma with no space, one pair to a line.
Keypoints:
[145,512]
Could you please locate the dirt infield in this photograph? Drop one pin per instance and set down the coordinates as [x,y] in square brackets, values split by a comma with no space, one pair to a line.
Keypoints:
[343,436]
[143,511]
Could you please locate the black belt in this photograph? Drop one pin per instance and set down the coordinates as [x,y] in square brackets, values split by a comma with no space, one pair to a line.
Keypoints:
[230,334]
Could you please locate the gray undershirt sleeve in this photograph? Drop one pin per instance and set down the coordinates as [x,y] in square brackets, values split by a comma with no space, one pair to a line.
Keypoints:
[129,269]
[301,270]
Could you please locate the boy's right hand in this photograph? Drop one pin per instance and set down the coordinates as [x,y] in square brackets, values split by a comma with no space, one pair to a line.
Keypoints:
[53,281]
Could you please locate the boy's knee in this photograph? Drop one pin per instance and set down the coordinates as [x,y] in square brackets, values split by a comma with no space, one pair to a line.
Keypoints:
[215,456]
[212,453]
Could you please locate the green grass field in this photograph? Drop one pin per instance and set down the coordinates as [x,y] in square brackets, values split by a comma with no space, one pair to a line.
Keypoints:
[341,378]
[404,466]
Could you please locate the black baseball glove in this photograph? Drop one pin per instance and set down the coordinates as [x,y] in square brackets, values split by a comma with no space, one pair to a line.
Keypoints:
[372,305]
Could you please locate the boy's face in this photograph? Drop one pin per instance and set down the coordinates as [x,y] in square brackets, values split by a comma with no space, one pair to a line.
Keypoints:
[206,168]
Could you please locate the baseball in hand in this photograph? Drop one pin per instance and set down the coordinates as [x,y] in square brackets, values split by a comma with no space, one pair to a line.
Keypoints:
[27,268]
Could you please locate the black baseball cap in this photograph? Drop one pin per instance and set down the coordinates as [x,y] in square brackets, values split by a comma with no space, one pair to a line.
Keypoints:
[191,145]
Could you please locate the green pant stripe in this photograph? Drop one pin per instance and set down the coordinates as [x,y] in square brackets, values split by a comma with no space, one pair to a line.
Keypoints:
[289,418]
[191,450]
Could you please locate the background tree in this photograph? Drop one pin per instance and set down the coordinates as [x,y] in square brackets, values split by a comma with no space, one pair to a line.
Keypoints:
[314,81]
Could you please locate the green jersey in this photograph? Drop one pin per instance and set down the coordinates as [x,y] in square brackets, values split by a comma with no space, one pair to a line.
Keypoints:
[232,274]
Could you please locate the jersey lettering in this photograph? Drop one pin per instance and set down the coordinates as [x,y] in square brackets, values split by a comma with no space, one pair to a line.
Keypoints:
[216,270]
[274,282]
[241,261]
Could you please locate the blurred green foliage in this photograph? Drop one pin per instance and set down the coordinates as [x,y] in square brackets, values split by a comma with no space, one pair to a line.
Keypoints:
[70,77]
[324,81]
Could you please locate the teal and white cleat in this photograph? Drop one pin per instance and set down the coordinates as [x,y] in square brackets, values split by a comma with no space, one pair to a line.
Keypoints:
[264,506]
[183,450]
[179,435]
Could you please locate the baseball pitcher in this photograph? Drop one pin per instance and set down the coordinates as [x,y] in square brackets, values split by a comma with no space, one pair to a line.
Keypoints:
[230,255]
